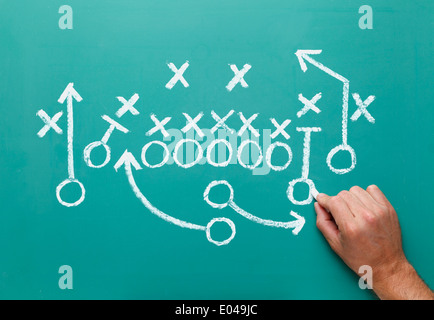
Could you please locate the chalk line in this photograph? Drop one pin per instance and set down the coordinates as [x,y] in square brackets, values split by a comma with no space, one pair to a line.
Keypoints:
[296,225]
[127,160]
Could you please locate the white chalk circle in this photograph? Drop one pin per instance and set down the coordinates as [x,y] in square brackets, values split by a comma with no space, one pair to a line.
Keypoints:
[166,154]
[290,191]
[212,185]
[63,184]
[88,150]
[210,148]
[188,165]
[240,151]
[332,153]
[229,223]
[269,154]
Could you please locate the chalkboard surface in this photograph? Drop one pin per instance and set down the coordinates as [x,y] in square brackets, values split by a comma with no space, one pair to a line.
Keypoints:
[171,149]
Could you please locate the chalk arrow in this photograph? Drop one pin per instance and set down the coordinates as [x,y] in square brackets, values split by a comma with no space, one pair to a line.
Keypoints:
[127,159]
[69,91]
[296,225]
[68,94]
[305,55]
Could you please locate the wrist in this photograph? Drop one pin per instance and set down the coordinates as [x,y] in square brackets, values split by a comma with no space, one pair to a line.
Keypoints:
[389,277]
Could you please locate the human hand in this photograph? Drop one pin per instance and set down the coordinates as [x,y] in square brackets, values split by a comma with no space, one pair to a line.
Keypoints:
[362,227]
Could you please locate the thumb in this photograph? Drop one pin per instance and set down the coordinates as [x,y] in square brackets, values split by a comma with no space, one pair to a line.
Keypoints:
[327,225]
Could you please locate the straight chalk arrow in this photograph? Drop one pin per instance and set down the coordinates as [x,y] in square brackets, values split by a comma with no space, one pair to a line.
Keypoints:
[305,55]
[68,94]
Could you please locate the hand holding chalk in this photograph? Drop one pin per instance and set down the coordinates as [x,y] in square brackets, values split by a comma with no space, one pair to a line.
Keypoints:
[362,227]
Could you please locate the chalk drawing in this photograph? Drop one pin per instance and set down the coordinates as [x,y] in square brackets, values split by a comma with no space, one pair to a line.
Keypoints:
[50,123]
[191,164]
[269,154]
[362,105]
[221,121]
[192,123]
[190,145]
[178,75]
[127,160]
[159,126]
[305,55]
[247,124]
[309,104]
[69,94]
[166,154]
[239,77]
[128,106]
[304,170]
[210,149]
[103,142]
[296,225]
[280,128]
[240,151]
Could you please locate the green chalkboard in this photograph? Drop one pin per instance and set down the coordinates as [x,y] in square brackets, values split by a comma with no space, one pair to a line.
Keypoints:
[126,126]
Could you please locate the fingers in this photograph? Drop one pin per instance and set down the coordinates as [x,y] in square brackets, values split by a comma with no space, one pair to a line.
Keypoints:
[326,224]
[355,205]
[378,195]
[337,207]
[364,197]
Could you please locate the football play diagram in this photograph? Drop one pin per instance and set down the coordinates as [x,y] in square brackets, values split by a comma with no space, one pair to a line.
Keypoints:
[129,164]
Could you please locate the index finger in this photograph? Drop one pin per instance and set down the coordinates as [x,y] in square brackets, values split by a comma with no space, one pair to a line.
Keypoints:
[337,207]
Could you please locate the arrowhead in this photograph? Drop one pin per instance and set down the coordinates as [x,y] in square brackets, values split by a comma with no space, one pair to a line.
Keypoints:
[127,159]
[69,90]
[299,223]
[302,54]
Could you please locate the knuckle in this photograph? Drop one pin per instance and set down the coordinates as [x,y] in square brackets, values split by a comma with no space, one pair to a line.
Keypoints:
[373,187]
[335,200]
[351,230]
[343,194]
[381,211]
[370,217]
[355,189]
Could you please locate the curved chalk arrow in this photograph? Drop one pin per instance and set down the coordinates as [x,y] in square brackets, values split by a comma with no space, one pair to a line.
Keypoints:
[296,225]
[127,160]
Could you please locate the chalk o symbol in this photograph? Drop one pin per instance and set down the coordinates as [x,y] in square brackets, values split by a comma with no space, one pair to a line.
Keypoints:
[188,165]
[212,185]
[332,153]
[88,150]
[166,154]
[63,184]
[270,153]
[210,148]
[229,223]
[290,191]
[240,151]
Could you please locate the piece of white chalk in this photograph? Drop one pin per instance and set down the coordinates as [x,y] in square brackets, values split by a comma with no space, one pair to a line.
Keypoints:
[314,192]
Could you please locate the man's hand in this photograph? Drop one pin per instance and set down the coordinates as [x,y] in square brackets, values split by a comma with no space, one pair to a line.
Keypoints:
[362,227]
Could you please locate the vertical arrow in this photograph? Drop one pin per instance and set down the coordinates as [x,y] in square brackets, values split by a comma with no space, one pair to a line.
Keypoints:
[68,94]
